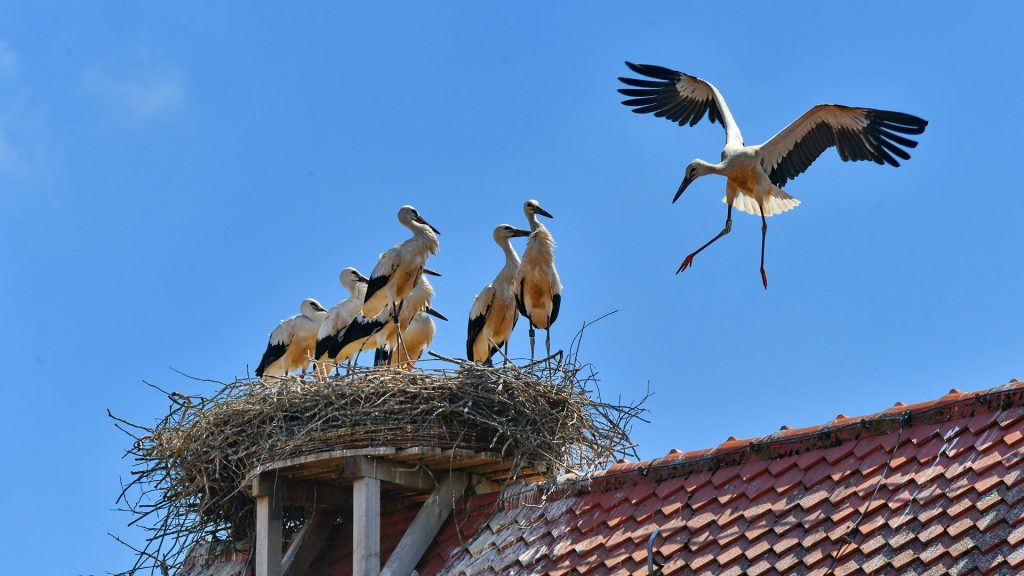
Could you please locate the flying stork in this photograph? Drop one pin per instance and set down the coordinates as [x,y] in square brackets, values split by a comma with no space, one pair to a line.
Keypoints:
[494,313]
[292,342]
[756,174]
[340,315]
[537,287]
[399,268]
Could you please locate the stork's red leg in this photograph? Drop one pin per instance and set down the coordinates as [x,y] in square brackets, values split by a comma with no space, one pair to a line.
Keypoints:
[728,226]
[764,232]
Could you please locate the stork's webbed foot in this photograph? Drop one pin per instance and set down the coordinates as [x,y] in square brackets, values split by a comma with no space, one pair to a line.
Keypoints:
[764,278]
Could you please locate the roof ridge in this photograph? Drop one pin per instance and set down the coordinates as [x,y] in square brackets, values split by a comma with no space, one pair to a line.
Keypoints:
[786,442]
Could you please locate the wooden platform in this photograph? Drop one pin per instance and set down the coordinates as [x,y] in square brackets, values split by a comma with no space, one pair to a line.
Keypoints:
[349,484]
[337,467]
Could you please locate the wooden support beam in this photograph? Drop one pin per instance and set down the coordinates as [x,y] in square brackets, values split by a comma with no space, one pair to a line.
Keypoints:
[268,525]
[365,527]
[384,471]
[310,495]
[424,527]
[308,542]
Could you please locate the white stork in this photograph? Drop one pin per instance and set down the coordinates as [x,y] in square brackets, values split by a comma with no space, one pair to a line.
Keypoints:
[292,343]
[340,315]
[494,313]
[365,332]
[417,336]
[538,289]
[756,173]
[399,269]
[384,335]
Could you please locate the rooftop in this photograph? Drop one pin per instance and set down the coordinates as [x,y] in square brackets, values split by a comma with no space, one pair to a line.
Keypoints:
[930,488]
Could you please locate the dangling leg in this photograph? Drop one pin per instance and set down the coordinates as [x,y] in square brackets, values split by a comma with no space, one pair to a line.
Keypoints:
[532,340]
[547,340]
[504,362]
[764,231]
[728,226]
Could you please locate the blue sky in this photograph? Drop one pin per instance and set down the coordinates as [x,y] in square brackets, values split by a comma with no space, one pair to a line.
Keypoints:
[176,177]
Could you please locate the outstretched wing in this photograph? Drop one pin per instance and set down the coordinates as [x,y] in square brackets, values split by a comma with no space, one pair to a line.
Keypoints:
[857,134]
[477,318]
[679,97]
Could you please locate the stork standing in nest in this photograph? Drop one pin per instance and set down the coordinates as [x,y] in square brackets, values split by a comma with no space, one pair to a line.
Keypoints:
[414,322]
[756,174]
[537,287]
[339,317]
[364,333]
[292,343]
[399,269]
[494,313]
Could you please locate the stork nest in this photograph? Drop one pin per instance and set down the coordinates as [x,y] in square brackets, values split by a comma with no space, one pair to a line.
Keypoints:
[190,466]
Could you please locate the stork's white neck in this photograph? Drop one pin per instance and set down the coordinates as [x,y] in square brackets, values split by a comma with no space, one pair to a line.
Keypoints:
[424,233]
[511,258]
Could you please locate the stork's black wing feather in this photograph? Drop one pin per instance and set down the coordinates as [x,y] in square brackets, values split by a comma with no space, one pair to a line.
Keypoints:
[679,97]
[556,303]
[857,134]
[476,326]
[323,346]
[374,285]
[274,353]
[358,329]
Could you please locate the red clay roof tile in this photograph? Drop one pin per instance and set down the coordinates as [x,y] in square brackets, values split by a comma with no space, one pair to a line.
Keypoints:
[951,502]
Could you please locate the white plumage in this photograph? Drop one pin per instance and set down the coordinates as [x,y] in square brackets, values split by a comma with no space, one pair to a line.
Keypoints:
[755,174]
[399,268]
[340,316]
[494,313]
[292,343]
[538,289]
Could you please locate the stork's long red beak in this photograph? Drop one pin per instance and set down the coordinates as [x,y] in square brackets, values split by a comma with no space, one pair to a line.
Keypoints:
[682,188]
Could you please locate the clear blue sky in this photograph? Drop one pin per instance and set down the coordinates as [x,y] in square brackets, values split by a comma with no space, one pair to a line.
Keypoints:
[175,177]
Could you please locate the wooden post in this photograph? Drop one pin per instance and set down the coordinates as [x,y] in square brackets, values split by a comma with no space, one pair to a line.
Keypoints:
[365,527]
[424,527]
[268,526]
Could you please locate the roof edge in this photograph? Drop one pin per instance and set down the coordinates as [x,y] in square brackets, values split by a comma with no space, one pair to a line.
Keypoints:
[787,442]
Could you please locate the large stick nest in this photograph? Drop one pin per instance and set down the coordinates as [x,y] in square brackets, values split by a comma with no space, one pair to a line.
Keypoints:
[189,467]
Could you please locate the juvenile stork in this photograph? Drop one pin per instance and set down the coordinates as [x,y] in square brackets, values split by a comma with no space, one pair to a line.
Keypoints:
[537,287]
[756,174]
[365,332]
[494,313]
[399,268]
[340,316]
[292,343]
[385,337]
[417,337]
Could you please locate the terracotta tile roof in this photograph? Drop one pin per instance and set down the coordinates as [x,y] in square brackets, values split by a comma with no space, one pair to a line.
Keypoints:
[931,488]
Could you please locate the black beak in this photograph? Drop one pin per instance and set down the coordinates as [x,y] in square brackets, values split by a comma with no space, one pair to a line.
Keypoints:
[427,224]
[430,272]
[682,188]
[362,279]
[517,233]
[434,313]
[544,212]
